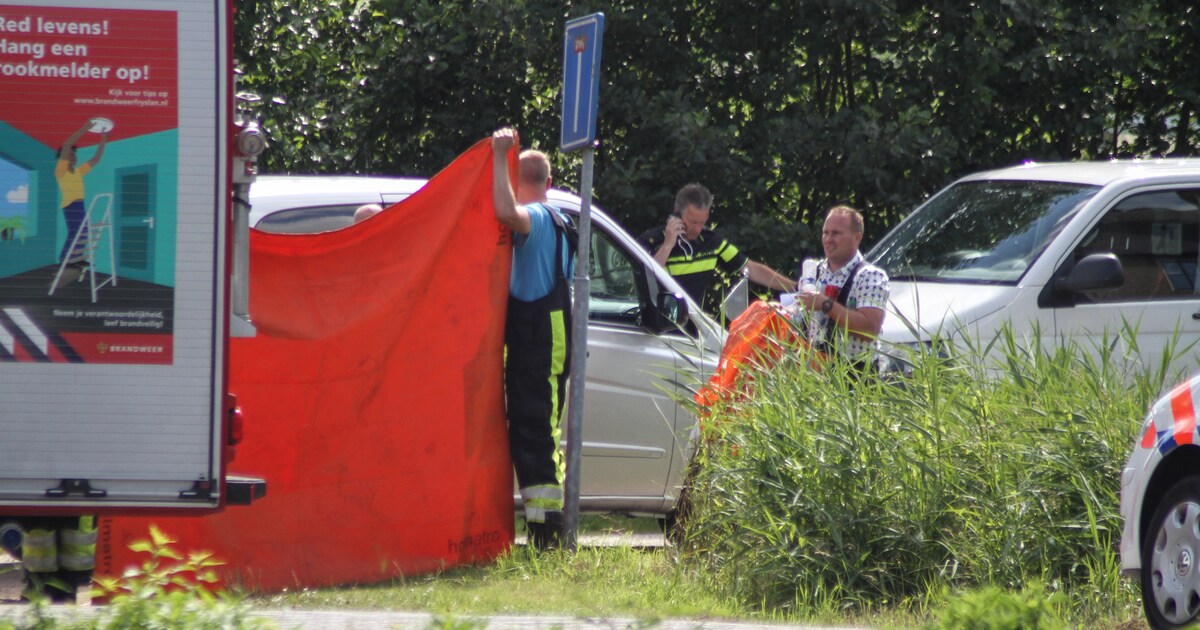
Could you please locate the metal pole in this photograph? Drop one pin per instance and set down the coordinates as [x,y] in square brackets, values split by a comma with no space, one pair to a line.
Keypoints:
[579,321]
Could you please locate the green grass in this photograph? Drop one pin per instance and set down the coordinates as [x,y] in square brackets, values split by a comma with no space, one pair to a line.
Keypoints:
[593,582]
[619,581]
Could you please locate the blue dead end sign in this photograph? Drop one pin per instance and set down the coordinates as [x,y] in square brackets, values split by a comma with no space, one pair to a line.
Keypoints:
[581,80]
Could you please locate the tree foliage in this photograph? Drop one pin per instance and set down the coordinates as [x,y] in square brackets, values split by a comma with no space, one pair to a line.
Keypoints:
[781,108]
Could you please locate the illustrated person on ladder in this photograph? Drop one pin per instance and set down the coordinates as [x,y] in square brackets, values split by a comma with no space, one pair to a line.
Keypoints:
[70,183]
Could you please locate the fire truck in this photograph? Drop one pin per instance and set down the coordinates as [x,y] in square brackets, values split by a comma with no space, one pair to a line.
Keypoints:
[124,168]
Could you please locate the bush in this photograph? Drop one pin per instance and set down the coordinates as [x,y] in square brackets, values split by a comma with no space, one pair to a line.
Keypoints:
[167,591]
[994,609]
[970,472]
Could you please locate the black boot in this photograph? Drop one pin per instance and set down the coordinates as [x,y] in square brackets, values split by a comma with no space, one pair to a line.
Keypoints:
[535,534]
[548,535]
[60,592]
[554,530]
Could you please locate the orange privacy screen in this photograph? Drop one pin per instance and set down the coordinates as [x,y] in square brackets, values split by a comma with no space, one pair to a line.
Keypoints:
[757,338]
[373,400]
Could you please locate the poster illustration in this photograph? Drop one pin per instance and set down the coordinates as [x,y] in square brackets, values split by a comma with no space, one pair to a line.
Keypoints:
[89,143]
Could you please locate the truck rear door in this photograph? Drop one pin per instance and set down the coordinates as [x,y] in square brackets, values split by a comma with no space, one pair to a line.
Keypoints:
[113,253]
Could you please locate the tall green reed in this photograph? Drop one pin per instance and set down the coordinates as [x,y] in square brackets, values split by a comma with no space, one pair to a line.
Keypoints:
[992,465]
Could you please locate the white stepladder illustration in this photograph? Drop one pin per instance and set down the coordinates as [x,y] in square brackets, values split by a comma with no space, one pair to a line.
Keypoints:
[93,233]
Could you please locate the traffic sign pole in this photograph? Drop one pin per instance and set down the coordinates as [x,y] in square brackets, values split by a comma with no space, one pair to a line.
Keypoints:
[579,319]
[581,84]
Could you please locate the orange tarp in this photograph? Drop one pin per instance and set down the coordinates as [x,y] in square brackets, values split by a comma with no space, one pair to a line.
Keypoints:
[373,400]
[757,338]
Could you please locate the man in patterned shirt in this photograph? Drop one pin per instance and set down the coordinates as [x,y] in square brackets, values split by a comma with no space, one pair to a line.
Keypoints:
[704,263]
[848,307]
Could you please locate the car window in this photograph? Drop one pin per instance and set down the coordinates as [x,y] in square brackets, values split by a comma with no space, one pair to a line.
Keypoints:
[309,220]
[1156,236]
[615,279]
[987,232]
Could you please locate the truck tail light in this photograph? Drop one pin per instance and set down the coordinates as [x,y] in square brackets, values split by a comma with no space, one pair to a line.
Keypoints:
[236,424]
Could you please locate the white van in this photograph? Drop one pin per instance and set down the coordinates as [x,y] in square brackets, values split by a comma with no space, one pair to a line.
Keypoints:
[644,336]
[1066,250]
[1073,252]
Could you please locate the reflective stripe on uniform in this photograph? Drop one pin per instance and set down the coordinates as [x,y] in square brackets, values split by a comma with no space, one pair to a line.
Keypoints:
[683,267]
[39,551]
[538,500]
[727,252]
[77,551]
[534,515]
[702,261]
[558,359]
[543,495]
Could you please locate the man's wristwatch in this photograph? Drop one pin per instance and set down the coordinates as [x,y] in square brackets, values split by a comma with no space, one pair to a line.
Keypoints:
[827,305]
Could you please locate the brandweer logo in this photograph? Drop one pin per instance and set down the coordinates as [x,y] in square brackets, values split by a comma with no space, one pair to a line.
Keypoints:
[104,348]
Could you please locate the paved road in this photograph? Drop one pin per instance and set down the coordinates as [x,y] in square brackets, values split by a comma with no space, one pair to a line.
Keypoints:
[384,620]
[307,619]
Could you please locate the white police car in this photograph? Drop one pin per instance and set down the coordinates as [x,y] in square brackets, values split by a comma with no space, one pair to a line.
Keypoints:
[1160,502]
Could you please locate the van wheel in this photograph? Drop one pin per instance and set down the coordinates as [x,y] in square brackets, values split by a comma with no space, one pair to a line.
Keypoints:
[674,527]
[1171,558]
[667,521]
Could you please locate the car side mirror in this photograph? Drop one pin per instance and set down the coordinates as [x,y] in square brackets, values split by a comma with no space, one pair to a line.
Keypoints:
[1094,272]
[673,309]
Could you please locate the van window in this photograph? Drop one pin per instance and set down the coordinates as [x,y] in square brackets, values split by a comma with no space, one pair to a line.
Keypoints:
[1156,236]
[614,281]
[981,232]
[309,220]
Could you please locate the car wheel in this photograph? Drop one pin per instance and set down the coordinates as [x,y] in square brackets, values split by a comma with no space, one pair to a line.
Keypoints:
[1171,558]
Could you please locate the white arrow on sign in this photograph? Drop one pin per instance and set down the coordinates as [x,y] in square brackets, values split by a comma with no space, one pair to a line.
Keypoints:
[580,47]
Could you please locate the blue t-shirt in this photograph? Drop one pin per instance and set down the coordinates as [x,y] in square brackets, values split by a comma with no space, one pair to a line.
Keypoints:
[533,272]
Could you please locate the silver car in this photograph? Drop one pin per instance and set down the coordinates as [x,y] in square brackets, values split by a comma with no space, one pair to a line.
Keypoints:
[645,339]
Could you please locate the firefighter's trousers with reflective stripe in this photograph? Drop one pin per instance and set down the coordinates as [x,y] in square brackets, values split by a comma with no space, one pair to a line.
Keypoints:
[59,554]
[538,357]
[54,544]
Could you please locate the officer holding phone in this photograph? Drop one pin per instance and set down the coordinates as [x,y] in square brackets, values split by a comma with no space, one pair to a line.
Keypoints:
[704,263]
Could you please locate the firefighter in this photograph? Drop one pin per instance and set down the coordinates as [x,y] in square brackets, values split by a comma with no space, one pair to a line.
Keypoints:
[537,335]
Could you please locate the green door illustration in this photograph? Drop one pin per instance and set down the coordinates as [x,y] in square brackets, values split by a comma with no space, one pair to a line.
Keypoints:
[135,222]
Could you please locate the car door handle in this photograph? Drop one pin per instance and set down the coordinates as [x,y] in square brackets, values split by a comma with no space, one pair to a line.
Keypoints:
[1196,315]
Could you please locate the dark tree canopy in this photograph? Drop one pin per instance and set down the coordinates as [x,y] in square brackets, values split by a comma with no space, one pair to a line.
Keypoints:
[781,108]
